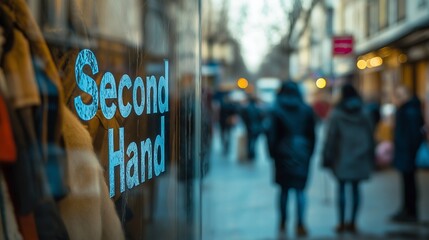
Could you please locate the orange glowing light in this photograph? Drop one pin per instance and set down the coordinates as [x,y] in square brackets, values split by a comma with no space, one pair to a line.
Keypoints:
[242,83]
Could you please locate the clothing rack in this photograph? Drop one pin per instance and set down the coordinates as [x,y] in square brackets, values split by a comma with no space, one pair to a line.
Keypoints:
[43,146]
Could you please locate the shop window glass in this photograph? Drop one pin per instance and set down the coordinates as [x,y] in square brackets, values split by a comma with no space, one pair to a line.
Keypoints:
[104,100]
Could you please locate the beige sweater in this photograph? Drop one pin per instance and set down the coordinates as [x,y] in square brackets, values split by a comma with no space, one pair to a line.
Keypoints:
[87,211]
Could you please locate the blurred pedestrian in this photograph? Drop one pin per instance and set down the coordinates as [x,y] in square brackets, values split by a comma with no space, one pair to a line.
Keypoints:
[407,139]
[349,151]
[226,121]
[187,161]
[252,117]
[373,108]
[321,105]
[291,140]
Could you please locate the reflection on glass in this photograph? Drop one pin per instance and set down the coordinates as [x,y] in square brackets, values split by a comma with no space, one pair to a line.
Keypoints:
[103,98]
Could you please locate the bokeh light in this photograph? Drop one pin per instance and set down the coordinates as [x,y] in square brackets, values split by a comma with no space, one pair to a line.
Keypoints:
[242,83]
[361,64]
[321,83]
[376,61]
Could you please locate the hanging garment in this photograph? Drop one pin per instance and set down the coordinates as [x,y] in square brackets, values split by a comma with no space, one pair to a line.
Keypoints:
[3,85]
[87,211]
[45,78]
[27,225]
[19,74]
[7,141]
[28,183]
[7,33]
[22,178]
[46,121]
[9,227]
[28,179]
[48,221]
[25,22]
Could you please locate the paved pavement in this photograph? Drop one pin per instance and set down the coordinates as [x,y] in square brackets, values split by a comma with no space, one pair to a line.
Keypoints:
[240,199]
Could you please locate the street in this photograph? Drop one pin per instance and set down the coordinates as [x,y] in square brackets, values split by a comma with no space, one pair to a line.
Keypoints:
[240,200]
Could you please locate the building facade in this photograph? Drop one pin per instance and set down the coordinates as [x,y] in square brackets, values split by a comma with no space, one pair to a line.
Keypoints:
[391,44]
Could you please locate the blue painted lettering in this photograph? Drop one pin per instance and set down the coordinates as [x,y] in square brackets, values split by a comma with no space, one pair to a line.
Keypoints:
[153,95]
[125,110]
[153,154]
[108,93]
[163,85]
[86,84]
[132,164]
[159,145]
[151,84]
[116,159]
[138,84]
[146,147]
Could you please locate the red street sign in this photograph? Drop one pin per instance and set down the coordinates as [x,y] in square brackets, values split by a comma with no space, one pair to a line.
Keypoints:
[342,45]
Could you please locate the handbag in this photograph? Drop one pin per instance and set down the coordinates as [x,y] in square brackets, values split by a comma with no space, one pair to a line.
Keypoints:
[384,154]
[422,158]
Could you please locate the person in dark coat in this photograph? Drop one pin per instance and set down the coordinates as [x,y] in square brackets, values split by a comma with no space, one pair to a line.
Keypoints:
[227,111]
[407,139]
[349,151]
[373,109]
[291,140]
[252,118]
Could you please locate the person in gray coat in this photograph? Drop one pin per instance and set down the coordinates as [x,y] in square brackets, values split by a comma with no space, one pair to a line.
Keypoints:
[349,151]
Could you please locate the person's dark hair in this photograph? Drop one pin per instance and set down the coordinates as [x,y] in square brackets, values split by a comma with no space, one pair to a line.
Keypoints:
[252,98]
[290,89]
[348,92]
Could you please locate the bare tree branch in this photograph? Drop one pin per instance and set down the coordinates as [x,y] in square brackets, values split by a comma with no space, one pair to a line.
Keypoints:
[277,60]
[307,19]
[294,15]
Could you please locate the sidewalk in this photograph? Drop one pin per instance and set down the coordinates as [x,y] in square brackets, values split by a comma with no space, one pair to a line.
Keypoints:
[240,201]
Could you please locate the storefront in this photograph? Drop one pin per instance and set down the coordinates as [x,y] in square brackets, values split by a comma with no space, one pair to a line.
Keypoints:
[100,118]
[379,72]
[403,62]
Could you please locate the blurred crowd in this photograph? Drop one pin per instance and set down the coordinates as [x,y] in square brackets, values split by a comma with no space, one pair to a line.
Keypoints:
[361,137]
